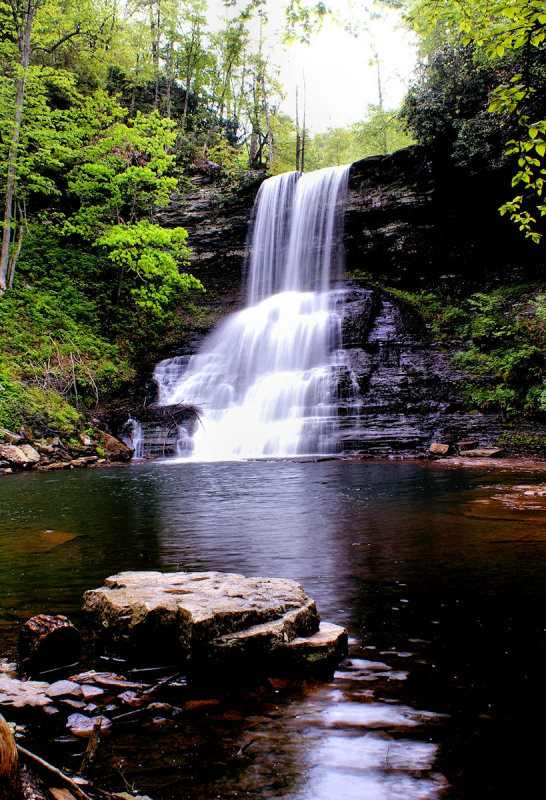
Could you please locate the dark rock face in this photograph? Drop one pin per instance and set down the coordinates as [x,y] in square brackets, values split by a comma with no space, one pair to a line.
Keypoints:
[217,231]
[402,391]
[416,223]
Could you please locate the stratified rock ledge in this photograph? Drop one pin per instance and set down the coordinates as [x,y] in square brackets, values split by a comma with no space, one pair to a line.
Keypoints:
[216,620]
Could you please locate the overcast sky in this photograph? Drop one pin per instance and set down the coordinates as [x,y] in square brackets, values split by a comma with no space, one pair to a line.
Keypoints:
[340,82]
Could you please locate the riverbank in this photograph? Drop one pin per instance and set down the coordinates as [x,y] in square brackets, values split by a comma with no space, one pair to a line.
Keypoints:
[22,452]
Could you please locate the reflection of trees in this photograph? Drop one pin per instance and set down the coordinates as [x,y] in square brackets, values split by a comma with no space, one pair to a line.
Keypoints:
[98,524]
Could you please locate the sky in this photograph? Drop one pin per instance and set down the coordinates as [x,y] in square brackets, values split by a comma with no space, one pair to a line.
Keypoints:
[340,81]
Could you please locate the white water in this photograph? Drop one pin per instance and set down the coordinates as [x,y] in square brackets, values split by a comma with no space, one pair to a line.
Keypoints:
[265,378]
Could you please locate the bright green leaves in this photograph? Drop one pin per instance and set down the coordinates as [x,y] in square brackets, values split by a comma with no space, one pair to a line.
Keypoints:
[153,254]
[121,172]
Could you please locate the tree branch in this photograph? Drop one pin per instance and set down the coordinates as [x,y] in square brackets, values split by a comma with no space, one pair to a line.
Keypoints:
[65,38]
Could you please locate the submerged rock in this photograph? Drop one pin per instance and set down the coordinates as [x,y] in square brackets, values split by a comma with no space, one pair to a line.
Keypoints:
[483,452]
[16,694]
[80,725]
[213,618]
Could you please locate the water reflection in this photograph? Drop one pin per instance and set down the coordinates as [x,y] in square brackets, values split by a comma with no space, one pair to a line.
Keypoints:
[440,577]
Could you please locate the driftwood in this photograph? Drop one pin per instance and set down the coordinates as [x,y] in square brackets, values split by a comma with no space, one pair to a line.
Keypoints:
[46,642]
[9,778]
[174,414]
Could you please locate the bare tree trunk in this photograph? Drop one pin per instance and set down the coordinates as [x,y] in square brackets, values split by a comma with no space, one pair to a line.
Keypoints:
[186,101]
[297,132]
[23,36]
[270,140]
[303,129]
[169,80]
[155,25]
[15,251]
[384,142]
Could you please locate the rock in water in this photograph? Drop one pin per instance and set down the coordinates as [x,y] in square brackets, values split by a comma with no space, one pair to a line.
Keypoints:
[115,449]
[212,618]
[46,642]
[8,763]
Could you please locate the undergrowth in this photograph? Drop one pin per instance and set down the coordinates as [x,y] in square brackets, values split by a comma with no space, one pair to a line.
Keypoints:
[502,344]
[65,347]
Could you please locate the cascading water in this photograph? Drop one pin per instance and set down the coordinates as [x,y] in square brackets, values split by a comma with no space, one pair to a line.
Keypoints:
[265,379]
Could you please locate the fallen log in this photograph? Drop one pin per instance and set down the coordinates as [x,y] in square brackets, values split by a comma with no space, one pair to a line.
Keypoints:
[50,768]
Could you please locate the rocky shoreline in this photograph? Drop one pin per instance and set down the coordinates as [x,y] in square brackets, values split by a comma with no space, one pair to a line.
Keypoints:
[156,638]
[22,452]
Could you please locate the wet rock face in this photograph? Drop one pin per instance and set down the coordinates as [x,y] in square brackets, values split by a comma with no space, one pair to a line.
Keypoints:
[214,619]
[403,392]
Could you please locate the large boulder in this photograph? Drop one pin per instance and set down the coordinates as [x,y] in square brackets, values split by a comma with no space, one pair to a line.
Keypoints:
[209,618]
[114,449]
[16,456]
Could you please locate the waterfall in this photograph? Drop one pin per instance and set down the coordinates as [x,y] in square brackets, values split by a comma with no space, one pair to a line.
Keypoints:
[265,379]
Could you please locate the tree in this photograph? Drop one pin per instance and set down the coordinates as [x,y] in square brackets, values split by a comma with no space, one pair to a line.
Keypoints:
[21,19]
[23,15]
[511,35]
[153,254]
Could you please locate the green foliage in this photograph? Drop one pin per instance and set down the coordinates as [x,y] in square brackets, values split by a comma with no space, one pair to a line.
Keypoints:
[121,170]
[54,362]
[505,40]
[523,443]
[153,254]
[503,344]
[506,350]
[379,133]
[447,109]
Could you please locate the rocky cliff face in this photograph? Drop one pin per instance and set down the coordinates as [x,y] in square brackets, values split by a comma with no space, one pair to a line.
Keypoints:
[415,223]
[217,224]
[402,391]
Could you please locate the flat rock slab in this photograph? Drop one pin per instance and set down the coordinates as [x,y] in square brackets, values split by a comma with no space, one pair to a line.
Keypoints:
[483,452]
[23,694]
[201,617]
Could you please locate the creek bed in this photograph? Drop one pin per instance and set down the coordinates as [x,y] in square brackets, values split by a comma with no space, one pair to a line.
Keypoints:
[439,575]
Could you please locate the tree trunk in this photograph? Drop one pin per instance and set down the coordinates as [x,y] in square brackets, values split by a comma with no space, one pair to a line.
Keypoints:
[270,140]
[186,101]
[14,255]
[303,129]
[169,80]
[383,123]
[297,132]
[155,25]
[23,37]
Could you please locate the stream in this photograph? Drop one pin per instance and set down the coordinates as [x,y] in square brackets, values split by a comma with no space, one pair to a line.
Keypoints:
[438,574]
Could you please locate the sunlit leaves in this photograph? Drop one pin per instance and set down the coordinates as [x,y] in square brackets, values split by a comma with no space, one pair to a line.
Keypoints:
[153,254]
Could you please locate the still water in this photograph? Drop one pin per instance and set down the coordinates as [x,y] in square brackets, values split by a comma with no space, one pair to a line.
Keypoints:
[439,575]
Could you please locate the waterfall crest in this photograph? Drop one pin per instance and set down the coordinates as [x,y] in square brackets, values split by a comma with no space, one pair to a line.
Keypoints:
[265,378]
